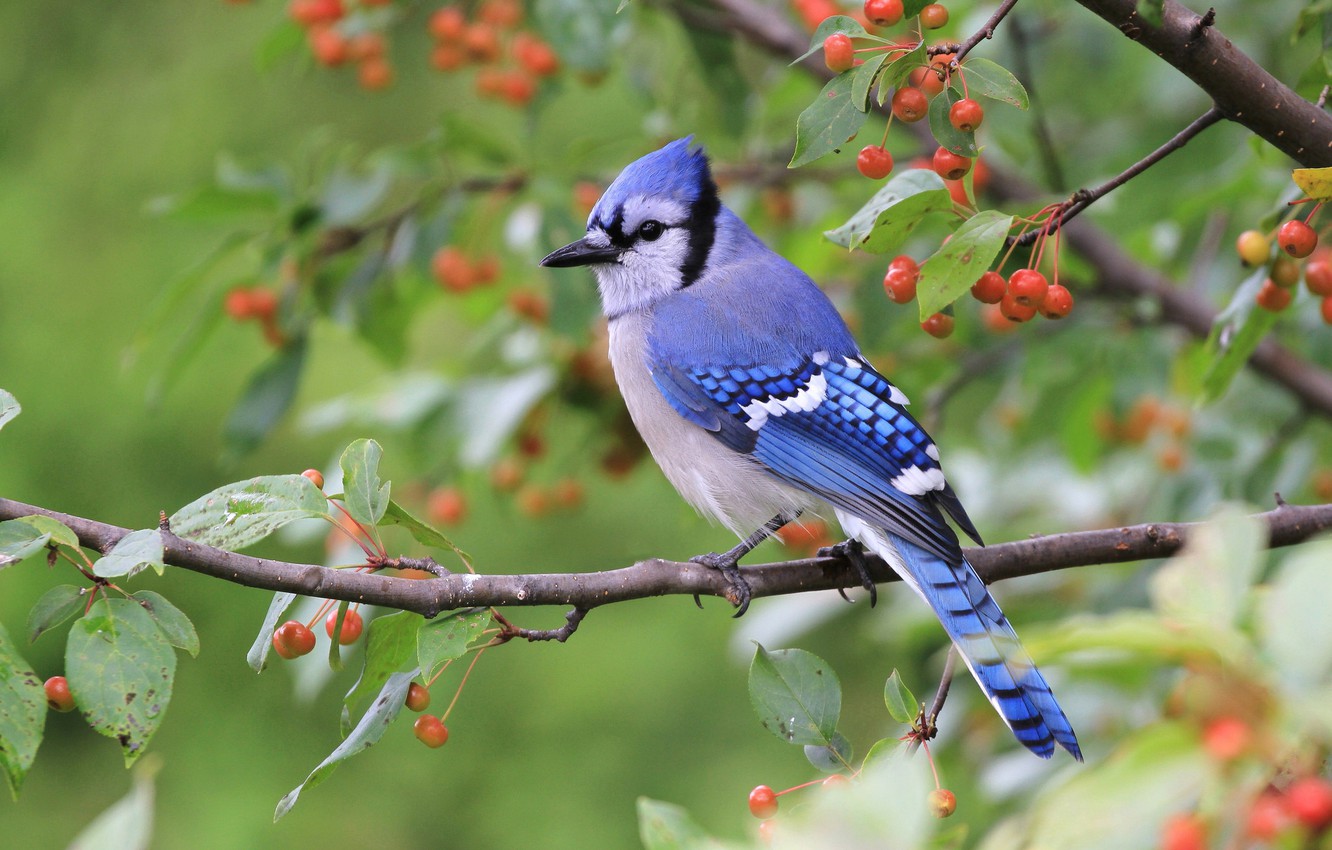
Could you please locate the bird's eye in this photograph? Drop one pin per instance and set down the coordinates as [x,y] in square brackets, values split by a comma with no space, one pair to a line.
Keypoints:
[651,230]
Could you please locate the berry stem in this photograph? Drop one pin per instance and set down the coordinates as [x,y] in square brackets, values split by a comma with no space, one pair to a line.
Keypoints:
[462,683]
[1313,212]
[925,745]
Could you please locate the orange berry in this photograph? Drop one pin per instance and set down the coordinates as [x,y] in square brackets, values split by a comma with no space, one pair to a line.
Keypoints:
[418,697]
[58,697]
[989,288]
[352,626]
[1058,302]
[586,196]
[374,74]
[933,16]
[529,305]
[293,639]
[939,326]
[1227,738]
[910,104]
[1309,801]
[327,45]
[1318,277]
[1272,297]
[447,57]
[481,42]
[568,493]
[1297,238]
[448,23]
[263,303]
[949,165]
[308,13]
[506,474]
[452,269]
[446,506]
[838,52]
[366,46]
[1028,287]
[1184,832]
[942,802]
[1015,311]
[1171,457]
[535,55]
[502,14]
[430,730]
[316,477]
[238,304]
[532,500]
[518,88]
[762,802]
[1267,817]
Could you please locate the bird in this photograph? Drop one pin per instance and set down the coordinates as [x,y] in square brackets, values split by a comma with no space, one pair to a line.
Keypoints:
[758,406]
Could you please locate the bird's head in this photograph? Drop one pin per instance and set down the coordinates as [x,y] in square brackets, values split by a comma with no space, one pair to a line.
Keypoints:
[651,232]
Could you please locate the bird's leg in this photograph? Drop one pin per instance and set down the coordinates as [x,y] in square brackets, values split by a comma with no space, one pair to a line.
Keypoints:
[854,552]
[726,562]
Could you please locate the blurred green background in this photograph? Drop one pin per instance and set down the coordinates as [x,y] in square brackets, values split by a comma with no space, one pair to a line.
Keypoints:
[107,108]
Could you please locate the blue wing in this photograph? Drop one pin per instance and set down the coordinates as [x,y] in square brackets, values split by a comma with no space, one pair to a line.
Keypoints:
[837,428]
[834,427]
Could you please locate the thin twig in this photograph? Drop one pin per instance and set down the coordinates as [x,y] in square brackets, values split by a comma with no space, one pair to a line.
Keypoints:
[986,30]
[1084,198]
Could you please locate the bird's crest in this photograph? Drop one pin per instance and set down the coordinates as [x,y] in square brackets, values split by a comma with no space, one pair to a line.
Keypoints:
[674,172]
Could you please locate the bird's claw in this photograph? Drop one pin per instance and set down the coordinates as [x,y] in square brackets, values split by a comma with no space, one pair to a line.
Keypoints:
[737,589]
[854,553]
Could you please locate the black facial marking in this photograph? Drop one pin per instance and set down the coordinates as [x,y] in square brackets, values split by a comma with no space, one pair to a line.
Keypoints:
[702,227]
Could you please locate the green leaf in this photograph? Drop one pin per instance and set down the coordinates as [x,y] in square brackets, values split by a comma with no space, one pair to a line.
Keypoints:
[22,713]
[126,824]
[348,197]
[945,133]
[236,515]
[390,648]
[902,704]
[911,8]
[19,539]
[1295,632]
[883,747]
[833,757]
[263,642]
[135,552]
[885,221]
[796,694]
[447,637]
[177,628]
[953,269]
[1235,335]
[9,407]
[120,669]
[54,607]
[665,826]
[862,80]
[60,533]
[270,392]
[365,497]
[367,733]
[830,26]
[424,534]
[828,123]
[990,79]
[899,69]
[335,647]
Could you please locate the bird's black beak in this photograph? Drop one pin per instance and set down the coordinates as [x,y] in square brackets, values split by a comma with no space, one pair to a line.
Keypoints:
[580,253]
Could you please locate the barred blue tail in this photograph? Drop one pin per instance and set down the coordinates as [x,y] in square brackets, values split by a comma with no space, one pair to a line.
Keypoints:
[990,648]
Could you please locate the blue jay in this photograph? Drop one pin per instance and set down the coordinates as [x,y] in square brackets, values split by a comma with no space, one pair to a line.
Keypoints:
[757,404]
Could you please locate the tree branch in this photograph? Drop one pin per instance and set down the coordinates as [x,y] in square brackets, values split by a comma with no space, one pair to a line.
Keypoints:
[1287,525]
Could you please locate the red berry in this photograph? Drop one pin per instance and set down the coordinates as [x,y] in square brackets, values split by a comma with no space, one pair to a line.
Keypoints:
[939,325]
[1318,277]
[418,697]
[1226,738]
[942,802]
[1184,832]
[1028,287]
[352,626]
[933,16]
[309,13]
[328,46]
[949,165]
[838,53]
[446,506]
[884,13]
[1272,297]
[992,316]
[452,269]
[990,288]
[1253,248]
[1325,308]
[1015,311]
[430,730]
[1058,302]
[481,42]
[316,477]
[293,639]
[966,115]
[238,304]
[874,162]
[535,55]
[448,23]
[568,493]
[1267,817]
[762,802]
[901,278]
[58,697]
[532,500]
[1309,801]
[374,74]
[910,104]
[1297,238]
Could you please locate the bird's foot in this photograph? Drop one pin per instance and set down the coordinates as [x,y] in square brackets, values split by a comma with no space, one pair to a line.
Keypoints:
[853,552]
[737,589]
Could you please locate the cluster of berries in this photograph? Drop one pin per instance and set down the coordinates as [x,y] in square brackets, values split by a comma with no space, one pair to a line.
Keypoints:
[337,37]
[1150,415]
[456,272]
[1017,299]
[512,60]
[244,304]
[1299,255]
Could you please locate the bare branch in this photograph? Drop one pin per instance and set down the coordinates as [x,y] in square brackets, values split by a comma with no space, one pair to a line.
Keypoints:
[1287,525]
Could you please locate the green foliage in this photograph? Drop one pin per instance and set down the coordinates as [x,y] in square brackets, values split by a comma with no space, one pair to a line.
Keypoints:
[24,705]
